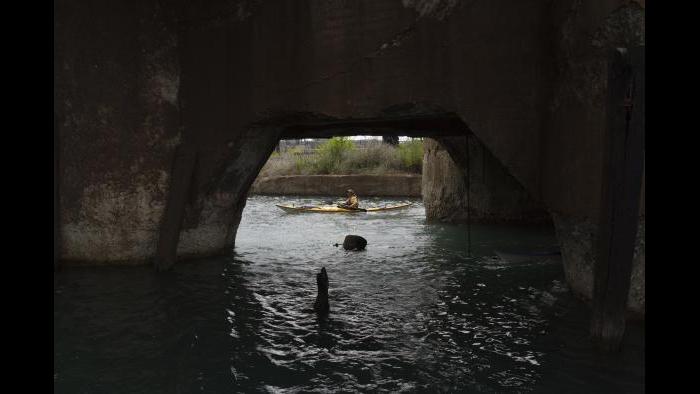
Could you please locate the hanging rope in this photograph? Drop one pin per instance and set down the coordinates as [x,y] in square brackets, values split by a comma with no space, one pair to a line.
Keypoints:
[469,217]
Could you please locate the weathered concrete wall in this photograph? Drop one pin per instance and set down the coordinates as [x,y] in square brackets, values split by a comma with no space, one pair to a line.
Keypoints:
[578,240]
[572,141]
[122,110]
[135,79]
[116,75]
[494,195]
[335,185]
[218,197]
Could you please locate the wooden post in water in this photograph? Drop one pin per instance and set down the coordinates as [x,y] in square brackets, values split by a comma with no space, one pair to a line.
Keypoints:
[178,193]
[321,305]
[623,165]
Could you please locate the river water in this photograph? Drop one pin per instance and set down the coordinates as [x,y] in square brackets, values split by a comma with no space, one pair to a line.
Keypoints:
[417,311]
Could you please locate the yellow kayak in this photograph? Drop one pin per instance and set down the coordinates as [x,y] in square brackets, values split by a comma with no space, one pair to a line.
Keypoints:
[335,209]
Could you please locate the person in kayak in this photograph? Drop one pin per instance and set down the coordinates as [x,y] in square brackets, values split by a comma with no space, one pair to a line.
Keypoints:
[352,202]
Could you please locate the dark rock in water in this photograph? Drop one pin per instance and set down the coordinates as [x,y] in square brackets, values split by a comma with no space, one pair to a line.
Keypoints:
[354,242]
[321,305]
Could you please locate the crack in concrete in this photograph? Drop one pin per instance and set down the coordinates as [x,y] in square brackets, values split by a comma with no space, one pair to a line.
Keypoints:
[394,42]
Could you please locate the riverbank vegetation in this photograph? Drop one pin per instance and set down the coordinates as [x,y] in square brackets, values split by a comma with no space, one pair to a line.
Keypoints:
[341,156]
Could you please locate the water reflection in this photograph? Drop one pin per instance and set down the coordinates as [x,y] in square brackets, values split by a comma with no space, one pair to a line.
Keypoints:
[412,313]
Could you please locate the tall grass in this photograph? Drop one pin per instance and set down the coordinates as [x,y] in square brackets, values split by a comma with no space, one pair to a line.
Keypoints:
[411,154]
[294,161]
[342,156]
[374,158]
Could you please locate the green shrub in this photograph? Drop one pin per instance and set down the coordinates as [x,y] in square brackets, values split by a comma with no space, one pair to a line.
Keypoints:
[341,156]
[375,158]
[331,153]
[304,165]
[411,154]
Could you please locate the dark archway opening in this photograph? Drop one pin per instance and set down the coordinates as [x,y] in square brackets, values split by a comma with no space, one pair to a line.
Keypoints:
[230,188]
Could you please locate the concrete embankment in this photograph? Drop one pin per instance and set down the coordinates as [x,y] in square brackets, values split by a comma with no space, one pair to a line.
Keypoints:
[407,185]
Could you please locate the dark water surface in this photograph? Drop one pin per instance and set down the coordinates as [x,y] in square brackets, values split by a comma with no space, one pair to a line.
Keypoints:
[412,313]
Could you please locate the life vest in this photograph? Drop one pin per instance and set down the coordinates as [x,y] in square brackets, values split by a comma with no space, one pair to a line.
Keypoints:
[352,202]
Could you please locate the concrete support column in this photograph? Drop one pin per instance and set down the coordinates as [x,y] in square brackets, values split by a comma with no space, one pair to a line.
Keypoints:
[493,196]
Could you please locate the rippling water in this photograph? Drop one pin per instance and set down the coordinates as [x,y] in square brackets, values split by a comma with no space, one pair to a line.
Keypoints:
[412,313]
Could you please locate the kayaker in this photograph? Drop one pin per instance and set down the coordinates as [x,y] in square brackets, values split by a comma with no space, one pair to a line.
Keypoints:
[352,202]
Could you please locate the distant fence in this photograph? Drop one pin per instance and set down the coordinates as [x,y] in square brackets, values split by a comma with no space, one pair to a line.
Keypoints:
[310,145]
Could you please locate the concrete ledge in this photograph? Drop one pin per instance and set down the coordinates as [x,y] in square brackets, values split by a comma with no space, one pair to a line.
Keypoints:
[407,185]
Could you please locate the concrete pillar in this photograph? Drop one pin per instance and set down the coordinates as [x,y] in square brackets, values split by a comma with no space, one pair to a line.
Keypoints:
[494,196]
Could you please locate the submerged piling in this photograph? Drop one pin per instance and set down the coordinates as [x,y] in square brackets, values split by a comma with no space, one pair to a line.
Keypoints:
[321,305]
